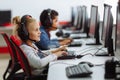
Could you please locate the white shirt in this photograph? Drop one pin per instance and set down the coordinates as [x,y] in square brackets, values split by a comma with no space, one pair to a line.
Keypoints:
[37,64]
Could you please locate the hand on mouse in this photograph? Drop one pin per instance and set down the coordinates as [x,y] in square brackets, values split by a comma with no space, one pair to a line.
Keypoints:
[62,48]
[66,41]
[61,53]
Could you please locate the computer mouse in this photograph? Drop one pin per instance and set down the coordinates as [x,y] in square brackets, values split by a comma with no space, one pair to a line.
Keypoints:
[86,62]
[66,35]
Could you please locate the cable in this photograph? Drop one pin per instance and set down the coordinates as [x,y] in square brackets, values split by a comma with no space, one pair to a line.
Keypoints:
[98,50]
[87,50]
[80,56]
[99,65]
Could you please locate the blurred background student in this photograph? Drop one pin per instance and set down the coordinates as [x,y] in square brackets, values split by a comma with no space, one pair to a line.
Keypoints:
[49,21]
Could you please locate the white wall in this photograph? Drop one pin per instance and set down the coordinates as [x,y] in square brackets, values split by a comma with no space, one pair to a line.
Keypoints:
[113,3]
[34,7]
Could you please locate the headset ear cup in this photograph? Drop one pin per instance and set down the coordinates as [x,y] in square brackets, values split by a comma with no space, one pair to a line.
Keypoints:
[48,23]
[25,32]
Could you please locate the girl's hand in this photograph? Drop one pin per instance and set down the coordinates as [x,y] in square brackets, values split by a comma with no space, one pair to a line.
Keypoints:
[62,48]
[61,53]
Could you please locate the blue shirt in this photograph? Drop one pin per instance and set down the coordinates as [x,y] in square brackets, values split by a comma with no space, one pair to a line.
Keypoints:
[45,43]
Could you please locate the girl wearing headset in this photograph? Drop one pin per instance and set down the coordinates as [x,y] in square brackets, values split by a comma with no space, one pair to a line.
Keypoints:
[28,31]
[49,20]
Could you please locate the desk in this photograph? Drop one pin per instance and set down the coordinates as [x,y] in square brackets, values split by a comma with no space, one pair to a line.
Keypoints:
[57,68]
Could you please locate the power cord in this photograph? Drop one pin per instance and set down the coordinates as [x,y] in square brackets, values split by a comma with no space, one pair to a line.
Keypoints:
[103,54]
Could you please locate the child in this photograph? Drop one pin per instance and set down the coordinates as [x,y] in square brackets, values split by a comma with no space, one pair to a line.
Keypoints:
[28,31]
[49,19]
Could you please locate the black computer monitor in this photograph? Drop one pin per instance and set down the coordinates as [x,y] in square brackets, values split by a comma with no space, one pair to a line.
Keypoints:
[117,52]
[79,21]
[107,38]
[72,16]
[75,17]
[94,25]
[5,17]
[85,28]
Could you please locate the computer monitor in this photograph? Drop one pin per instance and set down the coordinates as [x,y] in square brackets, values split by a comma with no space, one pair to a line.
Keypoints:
[117,52]
[5,17]
[79,21]
[72,16]
[75,17]
[108,29]
[94,25]
[85,28]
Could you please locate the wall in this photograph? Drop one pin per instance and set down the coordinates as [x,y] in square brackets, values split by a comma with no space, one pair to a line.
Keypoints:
[34,7]
[113,3]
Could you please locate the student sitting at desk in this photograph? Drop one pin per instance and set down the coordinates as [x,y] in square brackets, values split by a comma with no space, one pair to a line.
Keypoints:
[28,31]
[49,19]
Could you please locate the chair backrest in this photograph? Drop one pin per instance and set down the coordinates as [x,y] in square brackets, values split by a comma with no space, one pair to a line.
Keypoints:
[10,47]
[22,57]
[13,65]
[16,39]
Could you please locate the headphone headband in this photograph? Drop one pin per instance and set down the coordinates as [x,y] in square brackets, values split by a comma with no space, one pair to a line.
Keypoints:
[49,12]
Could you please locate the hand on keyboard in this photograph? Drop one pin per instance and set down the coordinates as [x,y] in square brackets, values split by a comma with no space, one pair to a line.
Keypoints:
[70,55]
[80,70]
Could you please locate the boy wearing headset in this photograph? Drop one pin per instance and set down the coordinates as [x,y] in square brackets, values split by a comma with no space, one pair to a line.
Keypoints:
[49,19]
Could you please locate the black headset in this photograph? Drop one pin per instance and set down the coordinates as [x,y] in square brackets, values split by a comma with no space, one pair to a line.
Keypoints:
[49,21]
[23,26]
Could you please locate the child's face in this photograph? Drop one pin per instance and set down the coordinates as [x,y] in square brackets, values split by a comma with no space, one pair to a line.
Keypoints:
[34,32]
[55,23]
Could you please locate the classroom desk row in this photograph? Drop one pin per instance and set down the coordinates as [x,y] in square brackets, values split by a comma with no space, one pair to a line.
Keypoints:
[57,68]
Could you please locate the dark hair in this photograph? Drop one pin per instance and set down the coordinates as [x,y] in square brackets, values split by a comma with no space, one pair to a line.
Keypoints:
[45,17]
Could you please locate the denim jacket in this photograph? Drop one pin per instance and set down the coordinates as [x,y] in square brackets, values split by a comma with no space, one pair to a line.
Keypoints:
[45,43]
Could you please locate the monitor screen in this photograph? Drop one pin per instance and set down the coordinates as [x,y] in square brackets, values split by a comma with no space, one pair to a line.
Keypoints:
[93,20]
[107,22]
[5,17]
[117,53]
[75,17]
[85,21]
[72,16]
[108,30]
[94,25]
[79,21]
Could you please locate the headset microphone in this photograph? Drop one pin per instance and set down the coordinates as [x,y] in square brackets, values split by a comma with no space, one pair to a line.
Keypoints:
[32,40]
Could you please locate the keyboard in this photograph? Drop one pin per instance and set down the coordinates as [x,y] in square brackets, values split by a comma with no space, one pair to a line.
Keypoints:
[71,55]
[80,70]
[76,37]
[75,44]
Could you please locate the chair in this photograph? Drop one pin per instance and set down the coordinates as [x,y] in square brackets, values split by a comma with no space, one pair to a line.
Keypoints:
[25,64]
[13,65]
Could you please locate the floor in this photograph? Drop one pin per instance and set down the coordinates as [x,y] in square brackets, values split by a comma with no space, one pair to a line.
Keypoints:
[4,58]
